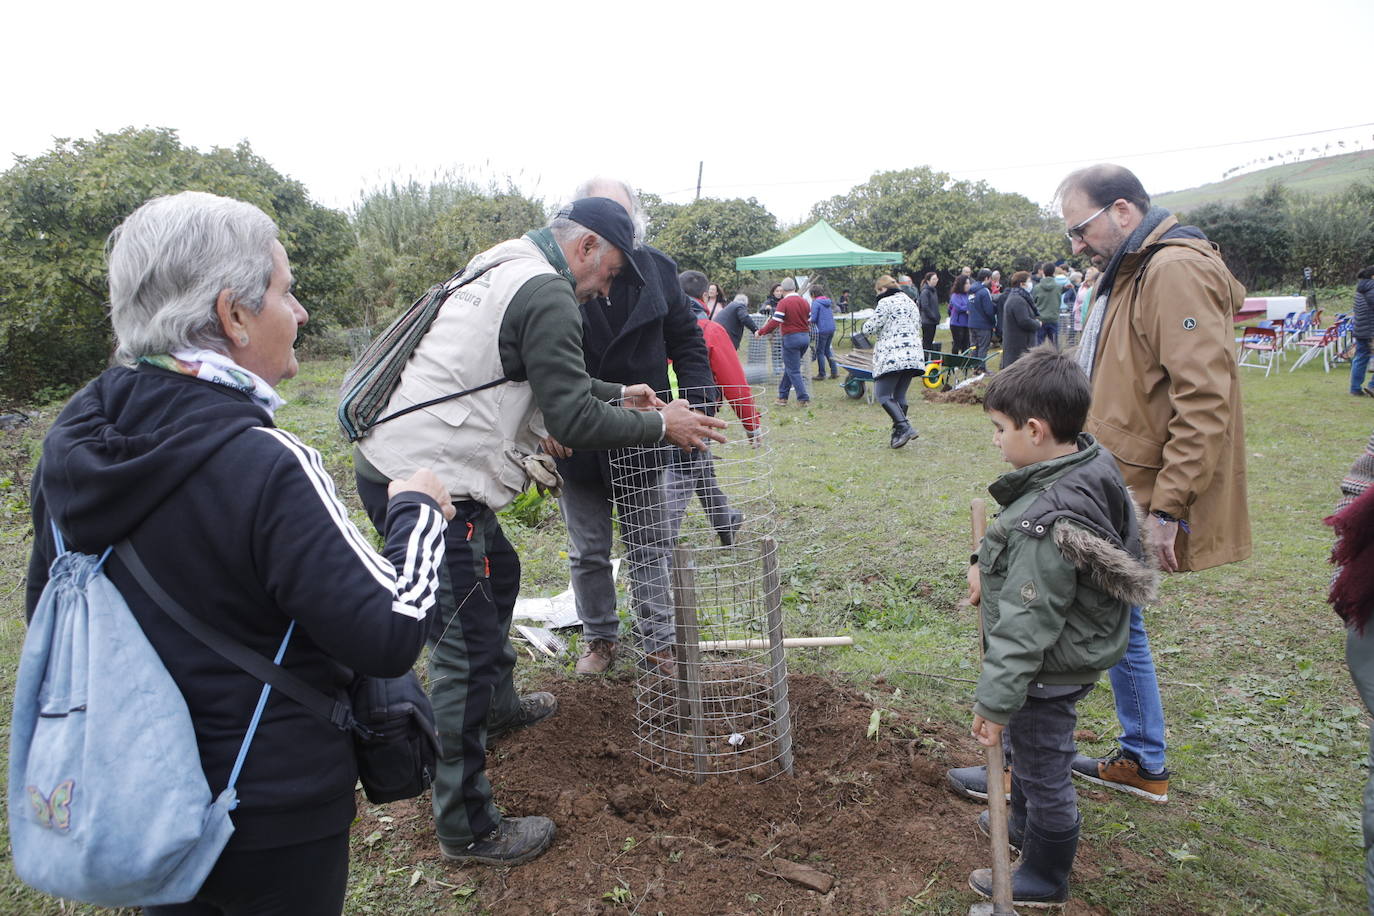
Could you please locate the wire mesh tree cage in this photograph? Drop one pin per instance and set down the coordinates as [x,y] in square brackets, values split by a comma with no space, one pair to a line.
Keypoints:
[706,608]
[763,358]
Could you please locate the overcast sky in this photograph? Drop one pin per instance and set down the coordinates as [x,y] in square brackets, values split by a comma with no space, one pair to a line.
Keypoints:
[787,102]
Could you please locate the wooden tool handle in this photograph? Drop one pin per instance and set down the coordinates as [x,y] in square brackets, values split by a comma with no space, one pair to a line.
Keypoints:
[997,802]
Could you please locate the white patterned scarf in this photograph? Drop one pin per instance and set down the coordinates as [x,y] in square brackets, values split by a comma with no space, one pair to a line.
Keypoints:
[210,366]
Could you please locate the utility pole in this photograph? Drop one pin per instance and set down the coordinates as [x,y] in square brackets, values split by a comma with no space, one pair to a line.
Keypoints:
[700,164]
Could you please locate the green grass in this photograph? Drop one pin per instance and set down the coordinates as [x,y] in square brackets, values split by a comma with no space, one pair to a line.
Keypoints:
[1268,738]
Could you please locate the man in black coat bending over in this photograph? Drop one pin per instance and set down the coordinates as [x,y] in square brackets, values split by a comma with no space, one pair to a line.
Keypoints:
[629,338]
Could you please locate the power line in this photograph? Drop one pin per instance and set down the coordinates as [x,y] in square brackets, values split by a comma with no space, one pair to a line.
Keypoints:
[1169,152]
[1040,165]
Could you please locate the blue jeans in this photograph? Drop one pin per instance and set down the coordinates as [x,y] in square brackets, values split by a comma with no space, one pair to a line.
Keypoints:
[1048,331]
[1136,692]
[793,349]
[1359,364]
[824,353]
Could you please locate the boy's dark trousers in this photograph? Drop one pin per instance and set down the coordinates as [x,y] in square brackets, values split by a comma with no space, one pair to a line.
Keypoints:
[1043,751]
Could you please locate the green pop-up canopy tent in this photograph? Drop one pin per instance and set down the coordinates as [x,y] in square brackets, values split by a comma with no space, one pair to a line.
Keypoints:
[819,246]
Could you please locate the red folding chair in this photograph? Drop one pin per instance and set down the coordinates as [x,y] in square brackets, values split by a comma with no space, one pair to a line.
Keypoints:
[1324,344]
[1259,348]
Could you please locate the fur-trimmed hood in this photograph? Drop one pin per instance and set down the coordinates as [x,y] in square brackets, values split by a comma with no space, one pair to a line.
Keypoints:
[1097,524]
[1128,578]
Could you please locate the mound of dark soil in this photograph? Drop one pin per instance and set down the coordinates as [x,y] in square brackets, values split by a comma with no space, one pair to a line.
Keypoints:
[971,394]
[872,819]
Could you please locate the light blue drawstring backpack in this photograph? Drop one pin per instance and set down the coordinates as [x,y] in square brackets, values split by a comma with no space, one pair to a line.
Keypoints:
[107,800]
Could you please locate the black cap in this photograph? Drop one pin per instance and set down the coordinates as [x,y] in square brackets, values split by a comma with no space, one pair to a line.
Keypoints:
[609,220]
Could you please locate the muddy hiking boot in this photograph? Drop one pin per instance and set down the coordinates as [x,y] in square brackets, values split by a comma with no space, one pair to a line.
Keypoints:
[972,782]
[597,657]
[1120,770]
[534,707]
[1042,878]
[516,841]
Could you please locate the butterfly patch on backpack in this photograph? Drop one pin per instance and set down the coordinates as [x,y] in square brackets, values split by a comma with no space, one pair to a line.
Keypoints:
[53,811]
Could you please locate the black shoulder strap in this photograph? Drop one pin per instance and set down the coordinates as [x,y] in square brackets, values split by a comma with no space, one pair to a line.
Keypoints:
[339,713]
[439,400]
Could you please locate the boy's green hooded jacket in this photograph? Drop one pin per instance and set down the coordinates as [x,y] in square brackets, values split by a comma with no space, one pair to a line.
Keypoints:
[1061,567]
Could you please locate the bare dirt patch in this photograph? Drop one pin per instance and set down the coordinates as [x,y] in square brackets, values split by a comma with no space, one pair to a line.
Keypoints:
[870,818]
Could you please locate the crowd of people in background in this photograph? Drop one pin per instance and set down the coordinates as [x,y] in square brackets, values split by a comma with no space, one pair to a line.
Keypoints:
[1046,303]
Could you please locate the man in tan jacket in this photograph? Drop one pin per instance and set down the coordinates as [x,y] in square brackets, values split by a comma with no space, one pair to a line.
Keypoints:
[1158,349]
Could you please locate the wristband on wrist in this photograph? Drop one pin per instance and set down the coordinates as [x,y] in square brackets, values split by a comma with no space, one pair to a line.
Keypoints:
[1165,518]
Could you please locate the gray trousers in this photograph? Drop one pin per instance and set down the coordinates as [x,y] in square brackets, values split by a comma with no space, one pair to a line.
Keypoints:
[586,507]
[981,339]
[694,472]
[1043,749]
[1359,657]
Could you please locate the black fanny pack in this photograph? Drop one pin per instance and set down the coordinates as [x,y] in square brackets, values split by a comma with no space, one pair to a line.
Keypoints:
[395,738]
[394,735]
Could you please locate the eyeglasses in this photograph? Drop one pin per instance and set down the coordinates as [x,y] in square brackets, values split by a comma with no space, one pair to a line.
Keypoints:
[1076,233]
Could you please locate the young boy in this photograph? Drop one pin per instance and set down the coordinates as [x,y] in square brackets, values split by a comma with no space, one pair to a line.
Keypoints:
[1057,573]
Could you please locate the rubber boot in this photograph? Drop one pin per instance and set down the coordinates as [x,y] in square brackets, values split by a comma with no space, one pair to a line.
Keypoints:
[1042,878]
[1016,830]
[902,433]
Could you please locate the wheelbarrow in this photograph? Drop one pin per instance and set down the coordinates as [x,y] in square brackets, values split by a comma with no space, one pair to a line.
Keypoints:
[858,367]
[954,370]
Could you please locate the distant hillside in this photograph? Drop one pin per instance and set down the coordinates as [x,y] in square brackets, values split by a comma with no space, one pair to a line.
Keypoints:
[1316,176]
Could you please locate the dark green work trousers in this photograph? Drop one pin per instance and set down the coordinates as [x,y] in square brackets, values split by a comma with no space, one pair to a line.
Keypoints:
[471,662]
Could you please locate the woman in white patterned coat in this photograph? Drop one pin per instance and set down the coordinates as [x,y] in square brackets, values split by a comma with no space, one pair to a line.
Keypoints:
[897,353]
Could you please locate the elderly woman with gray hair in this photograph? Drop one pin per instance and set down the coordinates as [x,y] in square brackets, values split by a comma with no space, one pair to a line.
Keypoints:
[175,450]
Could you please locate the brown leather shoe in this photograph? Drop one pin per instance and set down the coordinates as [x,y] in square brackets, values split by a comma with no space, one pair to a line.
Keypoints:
[661,663]
[597,657]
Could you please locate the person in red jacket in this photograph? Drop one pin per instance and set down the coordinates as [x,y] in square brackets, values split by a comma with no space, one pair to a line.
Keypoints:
[695,471]
[793,315]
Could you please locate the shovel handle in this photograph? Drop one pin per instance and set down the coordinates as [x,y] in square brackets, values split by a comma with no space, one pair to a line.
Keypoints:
[997,802]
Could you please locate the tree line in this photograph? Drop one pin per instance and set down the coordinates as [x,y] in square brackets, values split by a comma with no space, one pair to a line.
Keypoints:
[361,267]
[1268,238]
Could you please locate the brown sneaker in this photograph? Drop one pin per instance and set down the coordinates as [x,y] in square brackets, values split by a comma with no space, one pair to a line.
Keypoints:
[1124,773]
[597,657]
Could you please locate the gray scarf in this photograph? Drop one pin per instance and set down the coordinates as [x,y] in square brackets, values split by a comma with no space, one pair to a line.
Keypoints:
[1087,345]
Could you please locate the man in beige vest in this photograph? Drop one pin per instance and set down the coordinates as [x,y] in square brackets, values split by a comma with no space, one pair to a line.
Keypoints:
[511,334]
